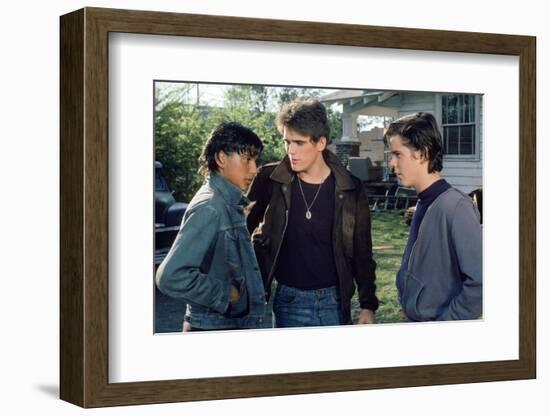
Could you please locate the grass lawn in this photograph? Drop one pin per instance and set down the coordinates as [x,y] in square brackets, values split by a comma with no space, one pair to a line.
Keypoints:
[389,237]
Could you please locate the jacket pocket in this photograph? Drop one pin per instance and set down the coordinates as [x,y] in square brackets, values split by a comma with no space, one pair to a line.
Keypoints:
[232,251]
[411,297]
[241,307]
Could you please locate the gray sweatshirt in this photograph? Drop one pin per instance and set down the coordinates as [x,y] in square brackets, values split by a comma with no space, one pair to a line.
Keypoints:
[443,277]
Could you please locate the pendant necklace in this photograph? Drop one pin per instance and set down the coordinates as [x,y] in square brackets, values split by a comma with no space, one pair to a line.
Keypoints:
[308,208]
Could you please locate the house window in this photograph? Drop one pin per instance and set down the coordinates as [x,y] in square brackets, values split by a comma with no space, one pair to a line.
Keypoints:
[459,124]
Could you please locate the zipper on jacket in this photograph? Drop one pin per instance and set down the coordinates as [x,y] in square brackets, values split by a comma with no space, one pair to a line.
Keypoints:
[417,238]
[270,276]
[420,229]
[407,275]
[339,195]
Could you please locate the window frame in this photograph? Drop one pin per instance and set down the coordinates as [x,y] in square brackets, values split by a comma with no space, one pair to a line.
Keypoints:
[476,155]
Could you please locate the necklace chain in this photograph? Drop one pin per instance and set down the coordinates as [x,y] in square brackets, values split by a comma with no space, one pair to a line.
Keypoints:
[308,208]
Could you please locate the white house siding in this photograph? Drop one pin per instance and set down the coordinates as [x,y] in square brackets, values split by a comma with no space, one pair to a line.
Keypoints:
[464,174]
[414,102]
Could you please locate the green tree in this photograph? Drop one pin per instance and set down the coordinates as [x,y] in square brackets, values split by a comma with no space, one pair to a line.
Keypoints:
[288,94]
[181,128]
[180,132]
[247,105]
[335,122]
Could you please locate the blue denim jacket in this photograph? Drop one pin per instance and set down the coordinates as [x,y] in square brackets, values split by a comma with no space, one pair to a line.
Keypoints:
[212,252]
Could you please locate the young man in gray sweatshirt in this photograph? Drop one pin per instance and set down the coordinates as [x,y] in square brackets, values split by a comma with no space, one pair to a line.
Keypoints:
[441,272]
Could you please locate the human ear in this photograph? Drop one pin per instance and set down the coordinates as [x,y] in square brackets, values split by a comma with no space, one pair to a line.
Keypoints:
[321,143]
[221,159]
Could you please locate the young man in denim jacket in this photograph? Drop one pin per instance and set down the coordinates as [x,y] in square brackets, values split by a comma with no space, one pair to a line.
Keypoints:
[211,264]
[441,272]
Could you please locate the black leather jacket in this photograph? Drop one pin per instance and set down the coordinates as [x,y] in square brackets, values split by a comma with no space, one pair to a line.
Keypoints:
[352,243]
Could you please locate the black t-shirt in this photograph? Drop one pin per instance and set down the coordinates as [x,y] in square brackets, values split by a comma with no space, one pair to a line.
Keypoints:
[306,259]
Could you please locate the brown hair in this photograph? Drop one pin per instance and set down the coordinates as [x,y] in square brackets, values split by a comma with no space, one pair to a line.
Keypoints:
[307,117]
[419,132]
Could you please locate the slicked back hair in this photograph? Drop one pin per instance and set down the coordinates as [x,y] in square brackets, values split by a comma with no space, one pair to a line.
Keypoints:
[306,117]
[419,132]
[228,137]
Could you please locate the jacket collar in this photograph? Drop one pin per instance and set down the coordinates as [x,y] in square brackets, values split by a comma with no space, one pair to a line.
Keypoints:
[283,172]
[230,193]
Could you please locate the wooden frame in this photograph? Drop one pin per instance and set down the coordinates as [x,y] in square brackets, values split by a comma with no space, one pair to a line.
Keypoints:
[84,207]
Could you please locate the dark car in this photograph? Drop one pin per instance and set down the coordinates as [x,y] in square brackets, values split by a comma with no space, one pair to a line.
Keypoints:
[168,215]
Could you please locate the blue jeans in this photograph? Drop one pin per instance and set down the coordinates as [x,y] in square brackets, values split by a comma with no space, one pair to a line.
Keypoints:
[298,308]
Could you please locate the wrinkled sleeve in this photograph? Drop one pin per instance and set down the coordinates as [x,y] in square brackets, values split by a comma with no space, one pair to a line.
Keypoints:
[180,274]
[466,237]
[364,265]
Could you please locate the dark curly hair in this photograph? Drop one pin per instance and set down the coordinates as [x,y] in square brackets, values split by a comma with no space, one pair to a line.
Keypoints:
[419,132]
[228,137]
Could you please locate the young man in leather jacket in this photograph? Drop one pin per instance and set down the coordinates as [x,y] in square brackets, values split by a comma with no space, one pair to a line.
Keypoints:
[311,227]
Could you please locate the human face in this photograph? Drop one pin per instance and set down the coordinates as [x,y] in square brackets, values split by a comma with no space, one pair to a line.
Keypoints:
[408,164]
[239,169]
[303,153]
